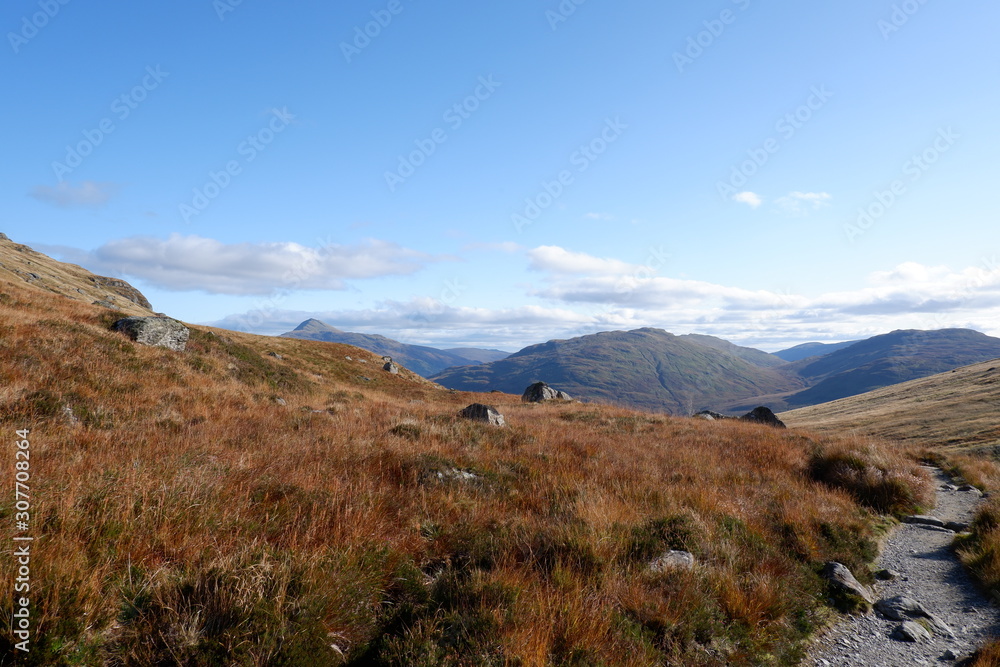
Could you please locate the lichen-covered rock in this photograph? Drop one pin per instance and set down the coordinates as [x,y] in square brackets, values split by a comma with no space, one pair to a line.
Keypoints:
[155,331]
[673,560]
[840,577]
[483,413]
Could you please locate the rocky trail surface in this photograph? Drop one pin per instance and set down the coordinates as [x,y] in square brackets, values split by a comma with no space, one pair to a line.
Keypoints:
[953,617]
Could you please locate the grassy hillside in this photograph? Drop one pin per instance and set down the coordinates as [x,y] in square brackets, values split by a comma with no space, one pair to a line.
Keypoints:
[183,514]
[948,411]
[19,263]
[646,368]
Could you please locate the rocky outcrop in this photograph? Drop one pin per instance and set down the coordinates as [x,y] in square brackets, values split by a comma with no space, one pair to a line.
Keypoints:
[483,413]
[389,366]
[901,608]
[540,391]
[709,415]
[123,289]
[155,331]
[762,415]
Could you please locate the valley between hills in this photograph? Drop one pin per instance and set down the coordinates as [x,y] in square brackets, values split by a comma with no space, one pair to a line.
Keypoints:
[242,499]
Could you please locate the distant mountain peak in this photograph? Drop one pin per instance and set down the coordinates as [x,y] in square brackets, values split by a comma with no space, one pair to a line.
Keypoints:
[315,325]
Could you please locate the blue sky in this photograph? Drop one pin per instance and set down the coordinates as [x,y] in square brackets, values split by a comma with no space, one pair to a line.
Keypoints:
[500,174]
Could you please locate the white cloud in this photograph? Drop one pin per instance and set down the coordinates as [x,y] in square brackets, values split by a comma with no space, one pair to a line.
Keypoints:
[196,263]
[64,195]
[797,202]
[751,199]
[561,261]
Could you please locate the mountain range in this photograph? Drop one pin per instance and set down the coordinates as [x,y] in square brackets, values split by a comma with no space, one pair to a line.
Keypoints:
[420,359]
[658,371]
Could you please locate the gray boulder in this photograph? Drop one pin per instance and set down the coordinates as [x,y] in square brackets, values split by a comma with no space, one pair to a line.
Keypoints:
[540,391]
[840,577]
[902,608]
[155,331]
[709,415]
[673,560]
[390,367]
[762,415]
[483,413]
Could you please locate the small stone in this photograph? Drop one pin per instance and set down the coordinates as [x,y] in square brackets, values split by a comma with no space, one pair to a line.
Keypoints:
[280,401]
[275,355]
[949,655]
[908,631]
[956,526]
[886,574]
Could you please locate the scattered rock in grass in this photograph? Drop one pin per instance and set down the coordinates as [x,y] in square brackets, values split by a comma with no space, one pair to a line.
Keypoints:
[840,577]
[389,366]
[457,475]
[483,413]
[710,416]
[902,608]
[886,575]
[106,303]
[155,331]
[908,631]
[968,488]
[762,415]
[673,560]
[280,401]
[540,391]
[275,355]
[957,526]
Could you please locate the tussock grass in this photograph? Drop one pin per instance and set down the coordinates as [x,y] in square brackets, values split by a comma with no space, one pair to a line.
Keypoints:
[183,515]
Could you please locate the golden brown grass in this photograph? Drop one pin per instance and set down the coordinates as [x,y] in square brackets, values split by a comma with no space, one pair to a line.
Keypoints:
[949,412]
[182,515]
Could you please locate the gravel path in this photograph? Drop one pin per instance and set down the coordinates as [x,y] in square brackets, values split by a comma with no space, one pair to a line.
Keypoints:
[930,574]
